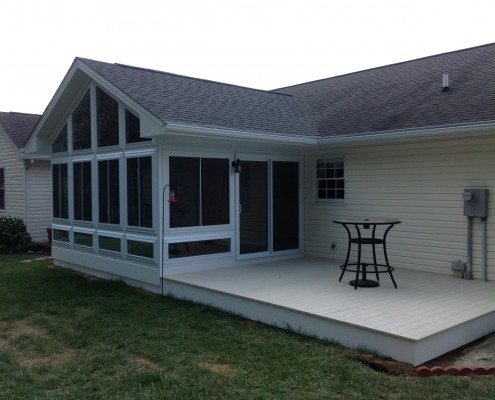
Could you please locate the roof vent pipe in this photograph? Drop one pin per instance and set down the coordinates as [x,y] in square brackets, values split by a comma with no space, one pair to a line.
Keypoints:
[445,86]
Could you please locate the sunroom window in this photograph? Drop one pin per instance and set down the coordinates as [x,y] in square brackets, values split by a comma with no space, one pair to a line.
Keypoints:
[201,187]
[60,191]
[108,191]
[107,114]
[2,188]
[81,124]
[139,192]
[133,129]
[60,143]
[82,191]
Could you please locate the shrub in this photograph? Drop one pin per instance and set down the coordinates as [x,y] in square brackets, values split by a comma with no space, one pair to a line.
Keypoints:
[13,235]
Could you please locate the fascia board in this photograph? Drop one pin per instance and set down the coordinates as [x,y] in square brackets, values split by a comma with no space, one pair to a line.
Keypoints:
[30,145]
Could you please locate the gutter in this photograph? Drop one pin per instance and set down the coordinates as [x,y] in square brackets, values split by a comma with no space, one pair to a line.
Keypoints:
[461,130]
[34,156]
[413,134]
[194,130]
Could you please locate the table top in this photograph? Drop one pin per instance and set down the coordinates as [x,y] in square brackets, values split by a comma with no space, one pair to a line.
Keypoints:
[367,221]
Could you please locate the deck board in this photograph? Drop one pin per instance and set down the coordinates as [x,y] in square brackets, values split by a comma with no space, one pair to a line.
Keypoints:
[425,305]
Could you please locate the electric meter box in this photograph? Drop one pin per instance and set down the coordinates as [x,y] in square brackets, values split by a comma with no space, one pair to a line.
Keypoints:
[476,203]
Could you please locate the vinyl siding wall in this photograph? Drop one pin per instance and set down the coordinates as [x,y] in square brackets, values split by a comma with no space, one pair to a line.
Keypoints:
[39,200]
[14,178]
[421,184]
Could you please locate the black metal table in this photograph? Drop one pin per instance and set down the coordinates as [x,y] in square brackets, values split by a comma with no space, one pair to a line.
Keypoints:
[360,267]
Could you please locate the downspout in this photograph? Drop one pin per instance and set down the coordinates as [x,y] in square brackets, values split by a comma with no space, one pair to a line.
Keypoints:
[162,239]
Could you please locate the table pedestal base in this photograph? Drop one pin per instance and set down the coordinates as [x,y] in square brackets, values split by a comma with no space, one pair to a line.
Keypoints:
[364,283]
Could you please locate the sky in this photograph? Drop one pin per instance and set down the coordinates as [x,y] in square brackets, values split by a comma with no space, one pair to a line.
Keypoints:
[263,44]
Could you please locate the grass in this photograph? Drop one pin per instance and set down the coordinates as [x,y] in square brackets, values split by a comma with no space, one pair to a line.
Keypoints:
[65,336]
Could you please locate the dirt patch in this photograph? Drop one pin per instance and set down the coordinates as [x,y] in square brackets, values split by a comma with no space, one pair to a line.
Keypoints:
[25,328]
[480,353]
[475,355]
[223,369]
[146,363]
[387,366]
[52,360]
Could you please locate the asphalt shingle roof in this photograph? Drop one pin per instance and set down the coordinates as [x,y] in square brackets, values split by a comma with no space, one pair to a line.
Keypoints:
[405,96]
[18,126]
[191,101]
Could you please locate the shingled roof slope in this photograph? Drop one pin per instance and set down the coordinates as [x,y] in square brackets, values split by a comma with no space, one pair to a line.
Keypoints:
[405,96]
[191,101]
[18,126]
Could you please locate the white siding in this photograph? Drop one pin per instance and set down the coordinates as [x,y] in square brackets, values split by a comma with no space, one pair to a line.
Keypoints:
[14,178]
[39,200]
[420,183]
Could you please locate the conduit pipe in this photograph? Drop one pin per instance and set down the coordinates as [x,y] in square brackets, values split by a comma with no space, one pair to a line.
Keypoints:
[483,250]
[469,267]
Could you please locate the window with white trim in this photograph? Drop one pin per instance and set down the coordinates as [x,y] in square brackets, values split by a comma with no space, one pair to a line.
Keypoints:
[60,191]
[83,209]
[109,191]
[330,178]
[139,192]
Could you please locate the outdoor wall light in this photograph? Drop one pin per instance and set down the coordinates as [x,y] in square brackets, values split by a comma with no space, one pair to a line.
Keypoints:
[236,164]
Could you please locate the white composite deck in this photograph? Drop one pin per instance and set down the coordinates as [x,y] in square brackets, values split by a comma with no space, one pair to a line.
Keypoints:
[427,316]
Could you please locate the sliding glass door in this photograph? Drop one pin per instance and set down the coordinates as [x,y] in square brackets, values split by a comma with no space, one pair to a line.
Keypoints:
[253,207]
[269,216]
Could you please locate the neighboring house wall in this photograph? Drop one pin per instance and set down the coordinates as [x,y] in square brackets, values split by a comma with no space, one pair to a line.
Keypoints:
[420,183]
[14,178]
[38,199]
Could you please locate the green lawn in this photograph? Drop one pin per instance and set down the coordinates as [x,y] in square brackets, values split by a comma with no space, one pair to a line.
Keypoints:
[64,336]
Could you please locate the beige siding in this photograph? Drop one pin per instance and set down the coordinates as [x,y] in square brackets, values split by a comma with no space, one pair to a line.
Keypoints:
[420,183]
[39,200]
[14,178]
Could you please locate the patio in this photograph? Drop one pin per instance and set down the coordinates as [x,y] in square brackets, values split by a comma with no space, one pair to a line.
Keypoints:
[427,316]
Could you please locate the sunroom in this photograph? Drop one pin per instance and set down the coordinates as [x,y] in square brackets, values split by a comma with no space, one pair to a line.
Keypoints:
[136,199]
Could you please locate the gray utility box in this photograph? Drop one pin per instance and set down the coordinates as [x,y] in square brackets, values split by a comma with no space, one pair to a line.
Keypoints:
[476,203]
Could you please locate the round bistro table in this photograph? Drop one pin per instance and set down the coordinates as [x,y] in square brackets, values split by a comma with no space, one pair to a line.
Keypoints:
[359,266]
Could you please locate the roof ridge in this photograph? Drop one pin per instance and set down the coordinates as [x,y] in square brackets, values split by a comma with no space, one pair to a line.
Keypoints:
[386,66]
[187,77]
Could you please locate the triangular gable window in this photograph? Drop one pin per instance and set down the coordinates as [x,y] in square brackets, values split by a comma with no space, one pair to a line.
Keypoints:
[133,129]
[60,143]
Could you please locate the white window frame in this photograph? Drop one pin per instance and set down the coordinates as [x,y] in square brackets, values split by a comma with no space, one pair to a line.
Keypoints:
[334,157]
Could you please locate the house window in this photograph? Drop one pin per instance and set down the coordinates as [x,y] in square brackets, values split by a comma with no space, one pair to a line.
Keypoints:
[133,129]
[82,191]
[60,143]
[2,188]
[108,191]
[81,124]
[139,192]
[60,191]
[202,191]
[330,178]
[107,114]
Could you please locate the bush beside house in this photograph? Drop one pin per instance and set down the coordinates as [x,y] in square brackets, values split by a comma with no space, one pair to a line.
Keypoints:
[13,236]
